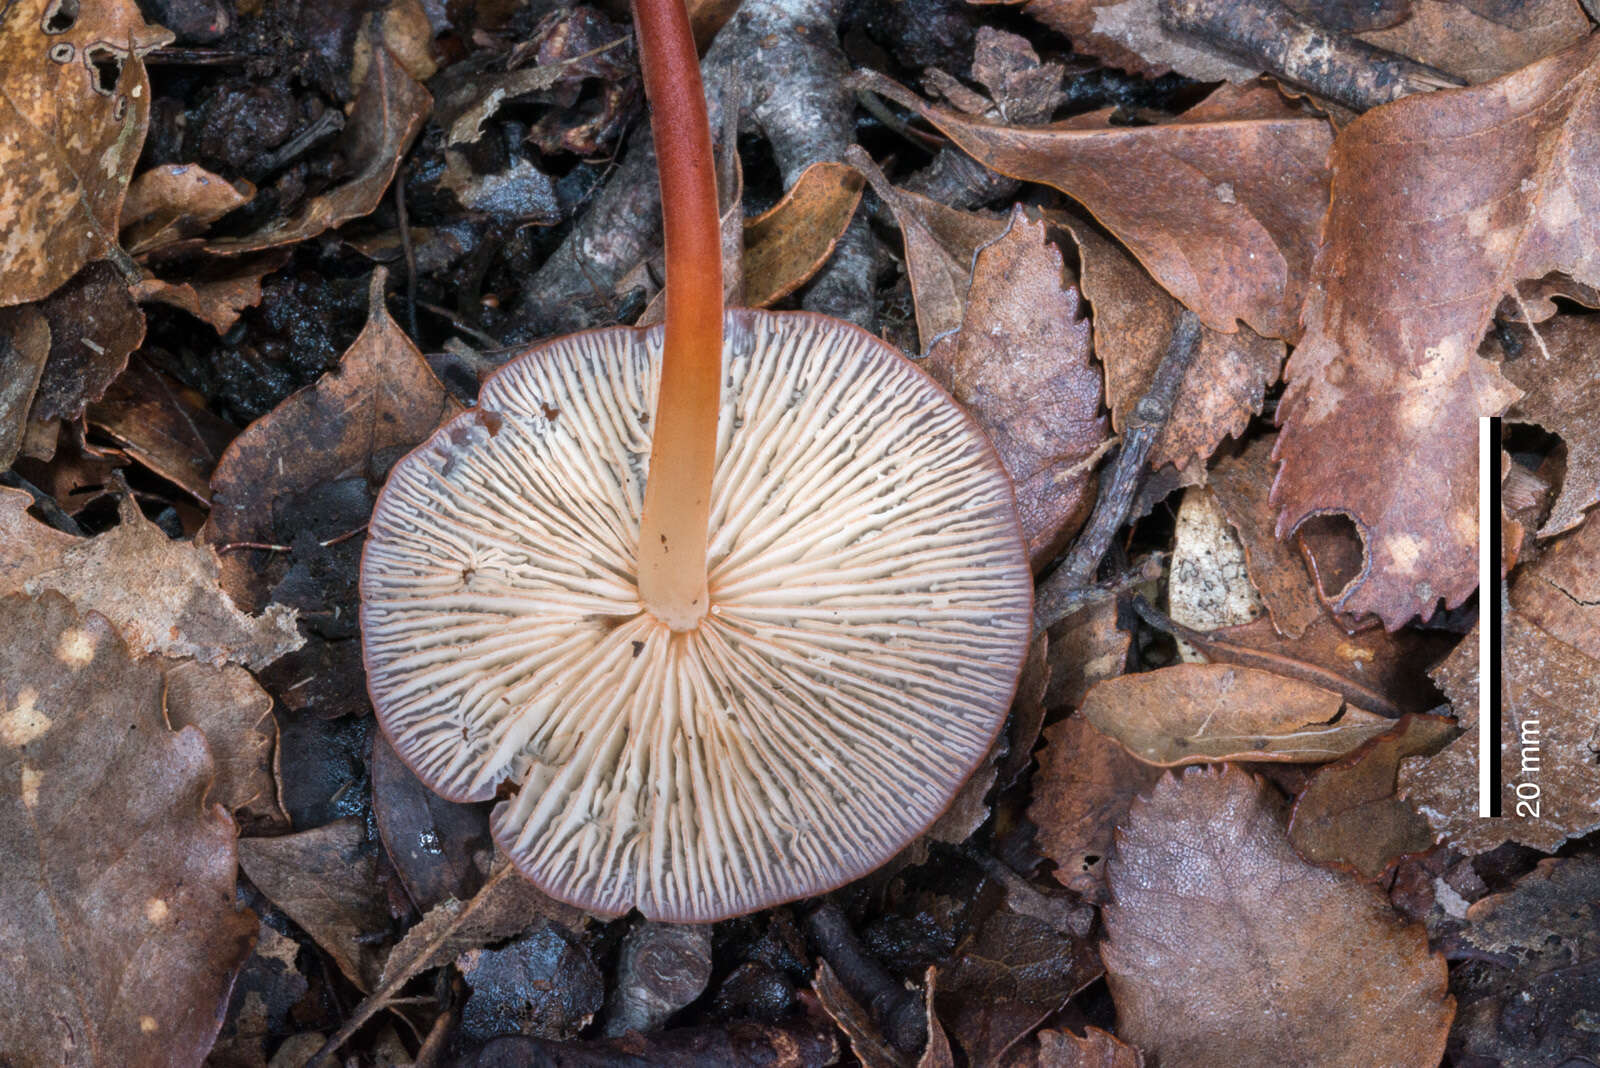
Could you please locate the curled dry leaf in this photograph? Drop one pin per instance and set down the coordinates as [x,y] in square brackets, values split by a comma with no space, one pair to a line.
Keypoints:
[1348,816]
[120,935]
[1380,417]
[1133,323]
[1242,484]
[1021,365]
[325,879]
[163,594]
[174,201]
[1543,939]
[352,423]
[1201,713]
[1063,1049]
[1221,205]
[786,244]
[74,105]
[235,715]
[1561,390]
[1552,699]
[1224,947]
[941,245]
[866,1039]
[164,426]
[388,111]
[1560,592]
[216,296]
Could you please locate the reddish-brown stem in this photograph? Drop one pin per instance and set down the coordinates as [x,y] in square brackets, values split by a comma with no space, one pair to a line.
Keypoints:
[683,452]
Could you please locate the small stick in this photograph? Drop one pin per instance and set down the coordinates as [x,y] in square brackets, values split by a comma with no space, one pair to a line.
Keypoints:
[1333,65]
[1120,485]
[404,220]
[1227,652]
[899,1011]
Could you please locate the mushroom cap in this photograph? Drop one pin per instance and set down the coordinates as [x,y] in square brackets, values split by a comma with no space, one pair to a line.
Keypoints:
[871,605]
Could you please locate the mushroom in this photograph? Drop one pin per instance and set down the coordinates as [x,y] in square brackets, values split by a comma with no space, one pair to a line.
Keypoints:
[739,601]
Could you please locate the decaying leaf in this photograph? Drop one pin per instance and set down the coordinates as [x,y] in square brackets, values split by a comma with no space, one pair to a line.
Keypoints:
[437,846]
[1550,734]
[786,244]
[94,326]
[1007,977]
[1348,816]
[325,880]
[177,200]
[1471,42]
[388,112]
[1221,205]
[218,294]
[1085,647]
[866,1040]
[163,594]
[1063,1049]
[1241,484]
[351,424]
[1203,713]
[941,245]
[119,930]
[1540,942]
[1081,792]
[24,347]
[1224,947]
[1133,323]
[235,715]
[163,426]
[1021,365]
[74,104]
[1424,237]
[1560,592]
[1560,380]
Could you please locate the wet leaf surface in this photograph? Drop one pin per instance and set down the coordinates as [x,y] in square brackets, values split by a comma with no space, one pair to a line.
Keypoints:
[120,932]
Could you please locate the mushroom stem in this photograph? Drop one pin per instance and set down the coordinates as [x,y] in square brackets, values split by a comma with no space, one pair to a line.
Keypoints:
[677,497]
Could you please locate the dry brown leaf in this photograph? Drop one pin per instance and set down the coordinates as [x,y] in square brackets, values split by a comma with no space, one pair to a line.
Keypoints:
[1380,419]
[1560,380]
[1560,592]
[1133,323]
[941,245]
[74,104]
[120,934]
[1348,816]
[1081,792]
[1021,365]
[163,426]
[24,347]
[325,880]
[352,423]
[866,1040]
[1224,947]
[387,114]
[1552,699]
[1063,1049]
[1242,485]
[235,715]
[1221,205]
[1476,47]
[219,296]
[1085,647]
[175,201]
[786,244]
[162,594]
[94,326]
[1203,713]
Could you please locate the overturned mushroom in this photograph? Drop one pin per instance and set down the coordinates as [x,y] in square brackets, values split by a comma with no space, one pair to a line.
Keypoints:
[739,602]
